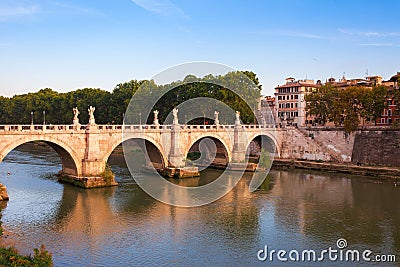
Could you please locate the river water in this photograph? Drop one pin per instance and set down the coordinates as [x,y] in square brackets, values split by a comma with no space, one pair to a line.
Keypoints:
[123,226]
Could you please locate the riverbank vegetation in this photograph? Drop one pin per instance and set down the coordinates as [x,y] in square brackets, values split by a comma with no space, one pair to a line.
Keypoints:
[9,256]
[350,106]
[52,107]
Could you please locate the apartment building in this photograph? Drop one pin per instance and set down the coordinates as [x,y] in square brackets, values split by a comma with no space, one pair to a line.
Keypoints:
[289,101]
[267,111]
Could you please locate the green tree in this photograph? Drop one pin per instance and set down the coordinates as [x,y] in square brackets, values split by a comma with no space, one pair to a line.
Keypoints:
[346,107]
[374,102]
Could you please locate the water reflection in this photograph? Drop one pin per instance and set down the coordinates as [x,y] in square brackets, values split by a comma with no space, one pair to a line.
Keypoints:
[124,226]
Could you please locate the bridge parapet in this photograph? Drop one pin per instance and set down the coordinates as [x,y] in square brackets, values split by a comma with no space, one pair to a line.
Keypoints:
[106,127]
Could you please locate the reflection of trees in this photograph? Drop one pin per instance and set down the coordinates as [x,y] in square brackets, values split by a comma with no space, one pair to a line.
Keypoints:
[329,207]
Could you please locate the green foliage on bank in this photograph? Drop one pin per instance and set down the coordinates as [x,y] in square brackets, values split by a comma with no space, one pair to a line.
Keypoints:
[10,257]
[108,175]
[346,107]
[111,106]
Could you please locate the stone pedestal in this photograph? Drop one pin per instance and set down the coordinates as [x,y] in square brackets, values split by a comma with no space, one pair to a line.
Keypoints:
[184,172]
[87,182]
[176,158]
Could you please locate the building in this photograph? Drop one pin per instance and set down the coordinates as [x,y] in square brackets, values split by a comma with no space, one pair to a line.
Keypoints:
[267,111]
[390,114]
[343,83]
[289,101]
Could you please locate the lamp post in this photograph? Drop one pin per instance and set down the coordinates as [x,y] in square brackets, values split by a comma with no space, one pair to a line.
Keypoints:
[31,117]
[140,118]
[204,118]
[44,117]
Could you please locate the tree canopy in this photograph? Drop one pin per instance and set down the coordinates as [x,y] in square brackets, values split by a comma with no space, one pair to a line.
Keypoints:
[346,107]
[111,106]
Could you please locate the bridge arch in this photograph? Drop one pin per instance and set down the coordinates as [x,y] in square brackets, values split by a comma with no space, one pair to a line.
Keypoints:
[151,146]
[71,163]
[262,135]
[222,147]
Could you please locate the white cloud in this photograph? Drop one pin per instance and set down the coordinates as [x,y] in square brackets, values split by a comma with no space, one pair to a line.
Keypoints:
[369,33]
[163,7]
[291,34]
[9,11]
[380,44]
[75,8]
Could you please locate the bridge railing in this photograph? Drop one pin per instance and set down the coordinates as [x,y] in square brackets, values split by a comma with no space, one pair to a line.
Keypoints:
[41,127]
[61,128]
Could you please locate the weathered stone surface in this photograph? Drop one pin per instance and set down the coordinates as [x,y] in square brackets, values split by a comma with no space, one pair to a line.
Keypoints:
[84,151]
[380,172]
[184,172]
[87,182]
[377,148]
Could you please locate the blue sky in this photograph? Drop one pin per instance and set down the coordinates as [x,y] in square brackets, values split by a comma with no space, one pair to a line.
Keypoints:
[73,44]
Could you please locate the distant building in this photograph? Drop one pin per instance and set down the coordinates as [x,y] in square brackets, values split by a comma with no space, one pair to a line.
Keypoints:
[368,82]
[289,101]
[267,112]
[289,105]
[390,114]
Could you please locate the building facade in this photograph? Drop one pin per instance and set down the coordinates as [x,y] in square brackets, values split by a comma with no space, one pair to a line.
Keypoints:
[267,110]
[390,115]
[289,101]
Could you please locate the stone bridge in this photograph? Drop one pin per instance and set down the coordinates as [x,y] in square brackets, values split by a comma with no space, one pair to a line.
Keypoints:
[85,149]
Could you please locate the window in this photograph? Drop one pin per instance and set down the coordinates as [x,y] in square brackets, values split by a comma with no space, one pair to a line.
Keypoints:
[389,113]
[291,96]
[296,97]
[291,105]
[295,105]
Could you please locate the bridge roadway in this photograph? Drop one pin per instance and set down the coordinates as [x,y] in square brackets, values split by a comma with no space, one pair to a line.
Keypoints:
[85,149]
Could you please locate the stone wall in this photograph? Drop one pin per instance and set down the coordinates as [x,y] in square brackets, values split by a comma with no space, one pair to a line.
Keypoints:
[372,146]
[377,148]
[318,144]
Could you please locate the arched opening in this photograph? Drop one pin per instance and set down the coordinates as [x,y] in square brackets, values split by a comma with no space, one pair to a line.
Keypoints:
[68,163]
[262,146]
[208,152]
[139,154]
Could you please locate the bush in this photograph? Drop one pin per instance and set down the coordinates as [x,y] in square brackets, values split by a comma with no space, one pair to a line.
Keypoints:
[108,175]
[10,257]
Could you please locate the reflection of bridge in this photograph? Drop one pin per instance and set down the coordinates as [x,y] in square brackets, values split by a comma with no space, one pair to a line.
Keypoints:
[84,150]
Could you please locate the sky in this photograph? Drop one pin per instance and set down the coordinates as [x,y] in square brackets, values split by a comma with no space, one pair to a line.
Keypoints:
[66,45]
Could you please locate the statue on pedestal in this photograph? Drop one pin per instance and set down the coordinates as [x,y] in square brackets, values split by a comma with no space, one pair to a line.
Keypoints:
[92,120]
[76,113]
[155,122]
[237,121]
[175,114]
[216,120]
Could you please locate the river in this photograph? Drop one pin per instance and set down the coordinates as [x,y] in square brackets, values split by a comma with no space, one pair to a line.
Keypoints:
[123,226]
